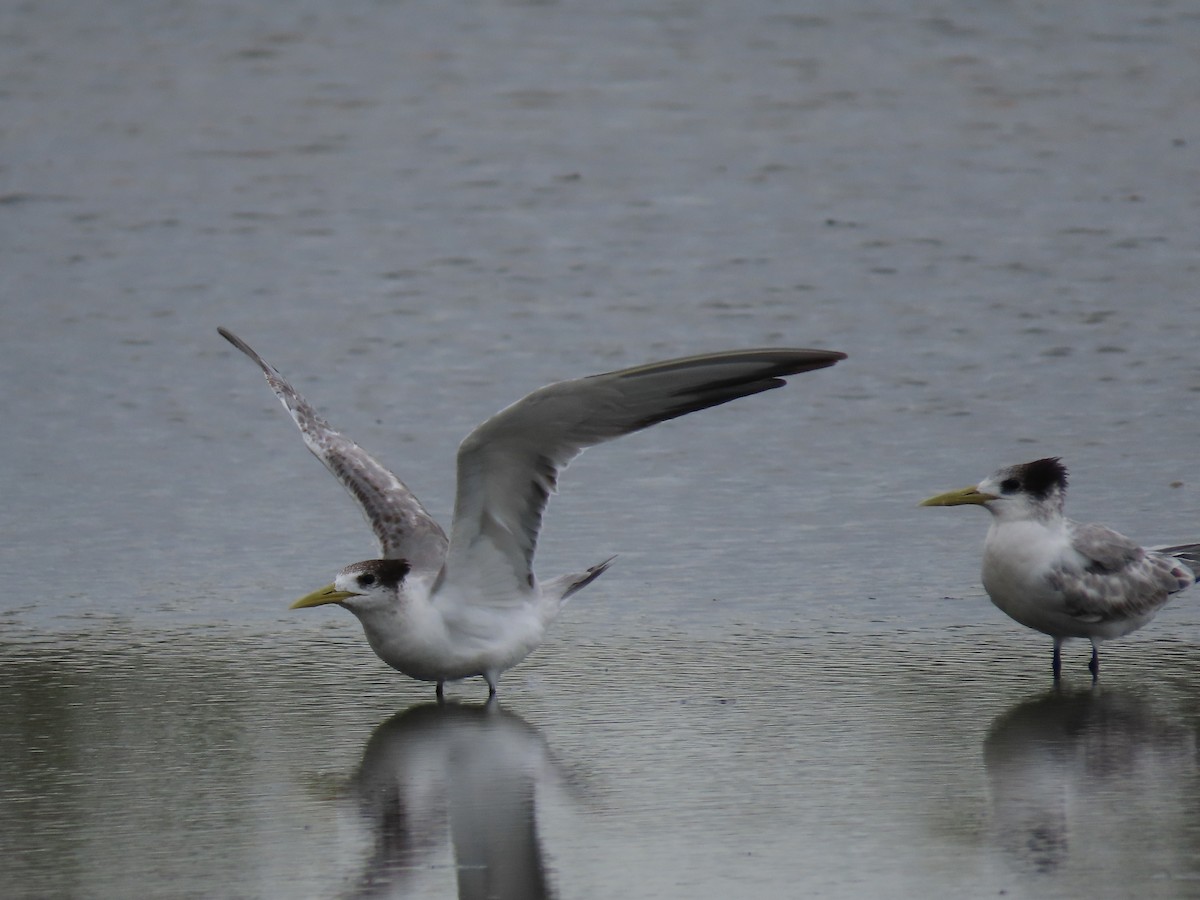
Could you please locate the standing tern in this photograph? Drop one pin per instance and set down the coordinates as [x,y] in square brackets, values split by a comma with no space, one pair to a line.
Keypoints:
[1063,578]
[441,608]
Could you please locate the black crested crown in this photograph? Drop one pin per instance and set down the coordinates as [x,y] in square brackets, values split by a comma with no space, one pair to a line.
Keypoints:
[1042,476]
[389,572]
[393,571]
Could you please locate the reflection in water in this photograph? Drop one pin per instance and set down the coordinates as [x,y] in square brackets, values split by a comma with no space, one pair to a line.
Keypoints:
[1066,773]
[473,768]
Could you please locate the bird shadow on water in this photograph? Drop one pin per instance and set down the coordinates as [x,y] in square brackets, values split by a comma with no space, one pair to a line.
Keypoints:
[467,772]
[1079,778]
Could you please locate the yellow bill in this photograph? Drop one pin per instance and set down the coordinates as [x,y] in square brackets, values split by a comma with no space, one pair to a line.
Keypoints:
[962,497]
[327,594]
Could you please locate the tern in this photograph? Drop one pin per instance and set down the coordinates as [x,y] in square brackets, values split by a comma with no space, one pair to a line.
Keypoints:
[443,608]
[1061,577]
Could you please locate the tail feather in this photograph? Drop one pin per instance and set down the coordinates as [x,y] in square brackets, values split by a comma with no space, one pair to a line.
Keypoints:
[1188,554]
[572,584]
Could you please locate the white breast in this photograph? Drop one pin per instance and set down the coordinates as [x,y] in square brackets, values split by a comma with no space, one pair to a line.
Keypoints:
[1017,558]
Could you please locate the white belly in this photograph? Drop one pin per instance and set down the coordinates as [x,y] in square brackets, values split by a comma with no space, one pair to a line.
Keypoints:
[1016,558]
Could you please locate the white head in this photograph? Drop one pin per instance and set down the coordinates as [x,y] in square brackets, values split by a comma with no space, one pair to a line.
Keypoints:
[1032,490]
[362,586]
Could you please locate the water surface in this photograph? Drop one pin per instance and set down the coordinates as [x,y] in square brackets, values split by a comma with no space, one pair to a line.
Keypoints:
[790,683]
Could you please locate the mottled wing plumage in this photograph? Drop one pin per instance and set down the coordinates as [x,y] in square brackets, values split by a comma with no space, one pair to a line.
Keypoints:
[404,529]
[1119,579]
[509,465]
[1105,549]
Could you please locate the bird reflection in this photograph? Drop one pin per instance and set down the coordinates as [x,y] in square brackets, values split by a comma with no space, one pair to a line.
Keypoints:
[1050,757]
[473,769]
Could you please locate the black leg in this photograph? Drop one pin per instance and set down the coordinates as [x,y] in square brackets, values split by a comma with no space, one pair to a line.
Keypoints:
[1094,664]
[441,692]
[1056,663]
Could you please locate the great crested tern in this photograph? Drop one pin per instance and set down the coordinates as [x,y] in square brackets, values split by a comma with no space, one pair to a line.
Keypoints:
[441,608]
[1061,577]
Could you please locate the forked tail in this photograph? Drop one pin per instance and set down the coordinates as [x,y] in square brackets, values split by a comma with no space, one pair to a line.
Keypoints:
[572,584]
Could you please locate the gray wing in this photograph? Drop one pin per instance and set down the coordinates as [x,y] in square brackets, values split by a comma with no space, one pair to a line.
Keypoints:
[405,530]
[509,465]
[1119,579]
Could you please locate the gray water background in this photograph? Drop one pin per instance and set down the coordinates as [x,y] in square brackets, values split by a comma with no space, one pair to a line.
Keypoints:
[790,683]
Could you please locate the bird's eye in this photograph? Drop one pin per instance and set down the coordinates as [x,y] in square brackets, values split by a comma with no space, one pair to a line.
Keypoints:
[1008,485]
[365,579]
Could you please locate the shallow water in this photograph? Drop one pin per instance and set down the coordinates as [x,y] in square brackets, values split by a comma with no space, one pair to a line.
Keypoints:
[790,682]
[656,763]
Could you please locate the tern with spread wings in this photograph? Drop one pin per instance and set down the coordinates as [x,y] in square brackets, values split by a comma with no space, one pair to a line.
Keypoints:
[1064,578]
[442,608]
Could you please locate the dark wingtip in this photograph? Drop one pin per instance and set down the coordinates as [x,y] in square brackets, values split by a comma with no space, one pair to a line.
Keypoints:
[235,340]
[827,359]
[807,360]
[837,355]
[267,368]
